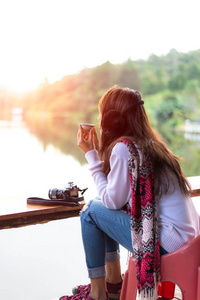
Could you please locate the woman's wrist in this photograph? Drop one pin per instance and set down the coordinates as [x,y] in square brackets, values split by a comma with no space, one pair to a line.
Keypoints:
[92,157]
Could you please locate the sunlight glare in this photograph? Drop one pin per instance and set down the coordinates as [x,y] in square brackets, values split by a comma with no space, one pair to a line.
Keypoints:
[50,39]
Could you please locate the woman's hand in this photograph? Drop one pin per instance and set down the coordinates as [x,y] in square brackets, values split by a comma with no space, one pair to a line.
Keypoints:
[87,141]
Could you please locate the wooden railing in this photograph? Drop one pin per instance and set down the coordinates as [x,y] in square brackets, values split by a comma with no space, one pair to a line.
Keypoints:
[195,185]
[23,214]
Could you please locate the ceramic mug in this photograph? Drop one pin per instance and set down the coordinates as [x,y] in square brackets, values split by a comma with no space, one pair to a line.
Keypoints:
[87,127]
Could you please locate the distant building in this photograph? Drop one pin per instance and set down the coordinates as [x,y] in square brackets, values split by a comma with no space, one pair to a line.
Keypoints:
[192,126]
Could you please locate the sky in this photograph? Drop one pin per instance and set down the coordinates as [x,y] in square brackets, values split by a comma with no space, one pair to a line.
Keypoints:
[52,38]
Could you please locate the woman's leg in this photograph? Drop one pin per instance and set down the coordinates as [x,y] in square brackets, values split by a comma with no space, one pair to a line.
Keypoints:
[113,272]
[102,232]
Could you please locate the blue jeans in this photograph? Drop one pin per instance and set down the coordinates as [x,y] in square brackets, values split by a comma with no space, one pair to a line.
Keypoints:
[102,231]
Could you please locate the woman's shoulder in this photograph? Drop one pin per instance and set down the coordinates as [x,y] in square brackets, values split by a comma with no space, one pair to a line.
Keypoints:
[120,149]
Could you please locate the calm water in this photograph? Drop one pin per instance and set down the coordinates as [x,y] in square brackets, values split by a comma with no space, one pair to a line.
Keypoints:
[39,262]
[42,262]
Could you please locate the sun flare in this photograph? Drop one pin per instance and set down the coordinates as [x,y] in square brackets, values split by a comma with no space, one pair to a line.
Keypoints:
[50,39]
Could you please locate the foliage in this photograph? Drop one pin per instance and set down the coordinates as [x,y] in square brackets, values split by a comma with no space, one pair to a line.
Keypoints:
[170,111]
[169,84]
[170,88]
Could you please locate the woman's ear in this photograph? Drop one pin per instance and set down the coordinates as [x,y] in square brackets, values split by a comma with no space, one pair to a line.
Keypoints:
[113,123]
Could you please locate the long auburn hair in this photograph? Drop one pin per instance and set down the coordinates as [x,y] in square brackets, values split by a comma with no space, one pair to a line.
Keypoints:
[165,164]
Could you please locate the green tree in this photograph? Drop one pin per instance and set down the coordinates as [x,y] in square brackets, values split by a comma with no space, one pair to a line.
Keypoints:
[129,75]
[170,113]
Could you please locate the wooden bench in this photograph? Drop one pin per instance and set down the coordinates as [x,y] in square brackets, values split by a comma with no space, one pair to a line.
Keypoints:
[22,214]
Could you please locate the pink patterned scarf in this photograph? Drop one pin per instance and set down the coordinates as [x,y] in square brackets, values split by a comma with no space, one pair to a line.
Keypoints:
[144,229]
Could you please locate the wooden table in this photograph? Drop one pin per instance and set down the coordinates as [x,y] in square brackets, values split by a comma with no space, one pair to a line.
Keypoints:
[22,214]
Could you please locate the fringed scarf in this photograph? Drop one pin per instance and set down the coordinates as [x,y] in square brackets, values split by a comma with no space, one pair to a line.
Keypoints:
[144,229]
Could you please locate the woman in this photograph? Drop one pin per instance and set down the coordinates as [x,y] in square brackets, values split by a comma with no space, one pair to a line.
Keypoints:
[143,198]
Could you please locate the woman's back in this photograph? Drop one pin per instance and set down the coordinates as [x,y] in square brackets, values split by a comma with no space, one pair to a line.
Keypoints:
[178,220]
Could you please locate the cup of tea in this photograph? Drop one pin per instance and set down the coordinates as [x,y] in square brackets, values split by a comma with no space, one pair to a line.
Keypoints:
[87,127]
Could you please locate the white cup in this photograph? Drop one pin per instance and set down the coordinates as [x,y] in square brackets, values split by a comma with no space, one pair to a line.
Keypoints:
[87,127]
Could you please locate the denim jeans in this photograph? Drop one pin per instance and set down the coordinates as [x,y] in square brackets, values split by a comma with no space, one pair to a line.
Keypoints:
[102,231]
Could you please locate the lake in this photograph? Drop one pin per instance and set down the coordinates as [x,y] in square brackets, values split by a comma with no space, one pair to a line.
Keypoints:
[42,262]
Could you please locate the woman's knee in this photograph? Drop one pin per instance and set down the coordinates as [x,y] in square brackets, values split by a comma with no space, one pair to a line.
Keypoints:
[86,210]
[91,206]
[89,210]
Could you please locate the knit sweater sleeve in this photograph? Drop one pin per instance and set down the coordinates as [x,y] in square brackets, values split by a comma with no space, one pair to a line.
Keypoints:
[114,190]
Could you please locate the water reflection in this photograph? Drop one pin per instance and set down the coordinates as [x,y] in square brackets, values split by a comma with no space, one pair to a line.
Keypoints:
[38,262]
[36,159]
[58,132]
[62,135]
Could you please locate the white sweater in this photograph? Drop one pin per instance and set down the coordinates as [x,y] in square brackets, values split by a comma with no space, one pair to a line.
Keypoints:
[178,220]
